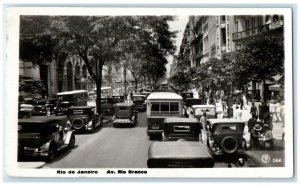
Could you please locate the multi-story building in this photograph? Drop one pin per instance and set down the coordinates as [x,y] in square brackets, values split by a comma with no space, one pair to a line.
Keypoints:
[208,37]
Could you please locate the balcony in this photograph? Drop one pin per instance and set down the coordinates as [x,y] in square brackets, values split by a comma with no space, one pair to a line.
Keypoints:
[257,30]
[250,32]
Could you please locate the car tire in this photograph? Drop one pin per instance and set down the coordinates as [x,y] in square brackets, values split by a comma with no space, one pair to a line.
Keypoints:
[72,141]
[51,152]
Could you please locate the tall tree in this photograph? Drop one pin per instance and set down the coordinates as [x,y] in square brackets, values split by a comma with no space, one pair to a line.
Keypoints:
[261,58]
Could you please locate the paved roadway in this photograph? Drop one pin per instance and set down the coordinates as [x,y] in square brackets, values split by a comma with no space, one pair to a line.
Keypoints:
[108,147]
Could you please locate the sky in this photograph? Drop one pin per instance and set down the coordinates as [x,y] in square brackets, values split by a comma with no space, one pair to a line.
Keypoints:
[178,25]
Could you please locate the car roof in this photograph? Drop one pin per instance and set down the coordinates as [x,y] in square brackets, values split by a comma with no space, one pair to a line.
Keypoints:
[193,99]
[181,120]
[204,106]
[137,95]
[81,107]
[41,119]
[164,95]
[124,104]
[224,121]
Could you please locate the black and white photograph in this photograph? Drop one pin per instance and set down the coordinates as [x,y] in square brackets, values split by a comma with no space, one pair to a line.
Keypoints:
[130,92]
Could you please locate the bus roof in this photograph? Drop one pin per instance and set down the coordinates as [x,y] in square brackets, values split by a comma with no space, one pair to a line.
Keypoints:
[164,95]
[71,92]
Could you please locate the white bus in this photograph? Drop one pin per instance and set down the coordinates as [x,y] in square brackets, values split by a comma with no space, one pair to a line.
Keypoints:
[70,98]
[159,106]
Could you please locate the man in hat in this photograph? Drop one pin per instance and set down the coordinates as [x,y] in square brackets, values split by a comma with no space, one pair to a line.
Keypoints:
[254,137]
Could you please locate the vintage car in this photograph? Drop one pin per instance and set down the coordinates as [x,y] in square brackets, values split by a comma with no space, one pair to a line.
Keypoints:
[186,95]
[139,102]
[61,108]
[25,110]
[124,115]
[41,107]
[146,94]
[83,118]
[198,110]
[118,98]
[107,105]
[189,102]
[43,136]
[180,147]
[225,137]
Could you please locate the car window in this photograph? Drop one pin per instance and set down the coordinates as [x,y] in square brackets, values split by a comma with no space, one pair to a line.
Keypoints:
[123,108]
[77,112]
[229,127]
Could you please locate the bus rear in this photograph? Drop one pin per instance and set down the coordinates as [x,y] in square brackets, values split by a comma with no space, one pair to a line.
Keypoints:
[161,105]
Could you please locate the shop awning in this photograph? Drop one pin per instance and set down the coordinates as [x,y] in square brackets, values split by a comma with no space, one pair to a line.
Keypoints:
[276,87]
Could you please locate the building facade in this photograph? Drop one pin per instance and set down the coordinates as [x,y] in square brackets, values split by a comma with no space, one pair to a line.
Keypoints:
[208,37]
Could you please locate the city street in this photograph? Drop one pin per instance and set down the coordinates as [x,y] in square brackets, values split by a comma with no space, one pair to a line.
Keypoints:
[108,147]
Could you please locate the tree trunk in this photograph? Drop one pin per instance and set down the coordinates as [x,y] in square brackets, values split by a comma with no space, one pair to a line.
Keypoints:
[125,83]
[264,92]
[98,86]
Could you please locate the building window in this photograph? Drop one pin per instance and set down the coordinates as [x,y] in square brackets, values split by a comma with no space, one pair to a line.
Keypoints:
[236,26]
[247,27]
[259,24]
[253,31]
[223,36]
[205,29]
[223,18]
[205,44]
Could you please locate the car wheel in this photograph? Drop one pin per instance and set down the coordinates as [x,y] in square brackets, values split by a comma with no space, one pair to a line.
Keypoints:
[72,141]
[51,153]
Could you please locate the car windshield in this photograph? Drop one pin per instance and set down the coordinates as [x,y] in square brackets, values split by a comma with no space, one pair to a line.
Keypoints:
[138,98]
[199,111]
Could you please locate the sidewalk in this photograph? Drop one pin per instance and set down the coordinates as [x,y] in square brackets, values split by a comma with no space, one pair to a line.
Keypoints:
[278,128]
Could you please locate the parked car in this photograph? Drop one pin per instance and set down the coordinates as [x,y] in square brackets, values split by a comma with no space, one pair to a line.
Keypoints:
[139,102]
[124,115]
[146,94]
[44,136]
[84,118]
[192,101]
[61,108]
[180,147]
[118,98]
[225,137]
[198,110]
[41,106]
[107,105]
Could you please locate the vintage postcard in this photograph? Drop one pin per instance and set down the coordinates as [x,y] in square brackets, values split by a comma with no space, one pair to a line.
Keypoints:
[149,92]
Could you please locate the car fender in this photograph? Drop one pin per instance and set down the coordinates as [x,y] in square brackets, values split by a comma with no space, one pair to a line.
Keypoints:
[46,145]
[68,136]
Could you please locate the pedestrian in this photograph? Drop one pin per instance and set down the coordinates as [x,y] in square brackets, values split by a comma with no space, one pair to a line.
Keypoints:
[241,102]
[251,123]
[277,110]
[238,113]
[282,113]
[254,137]
[245,101]
[185,112]
[253,110]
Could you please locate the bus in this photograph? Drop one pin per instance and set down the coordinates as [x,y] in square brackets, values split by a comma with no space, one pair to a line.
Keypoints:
[159,106]
[70,98]
[105,92]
